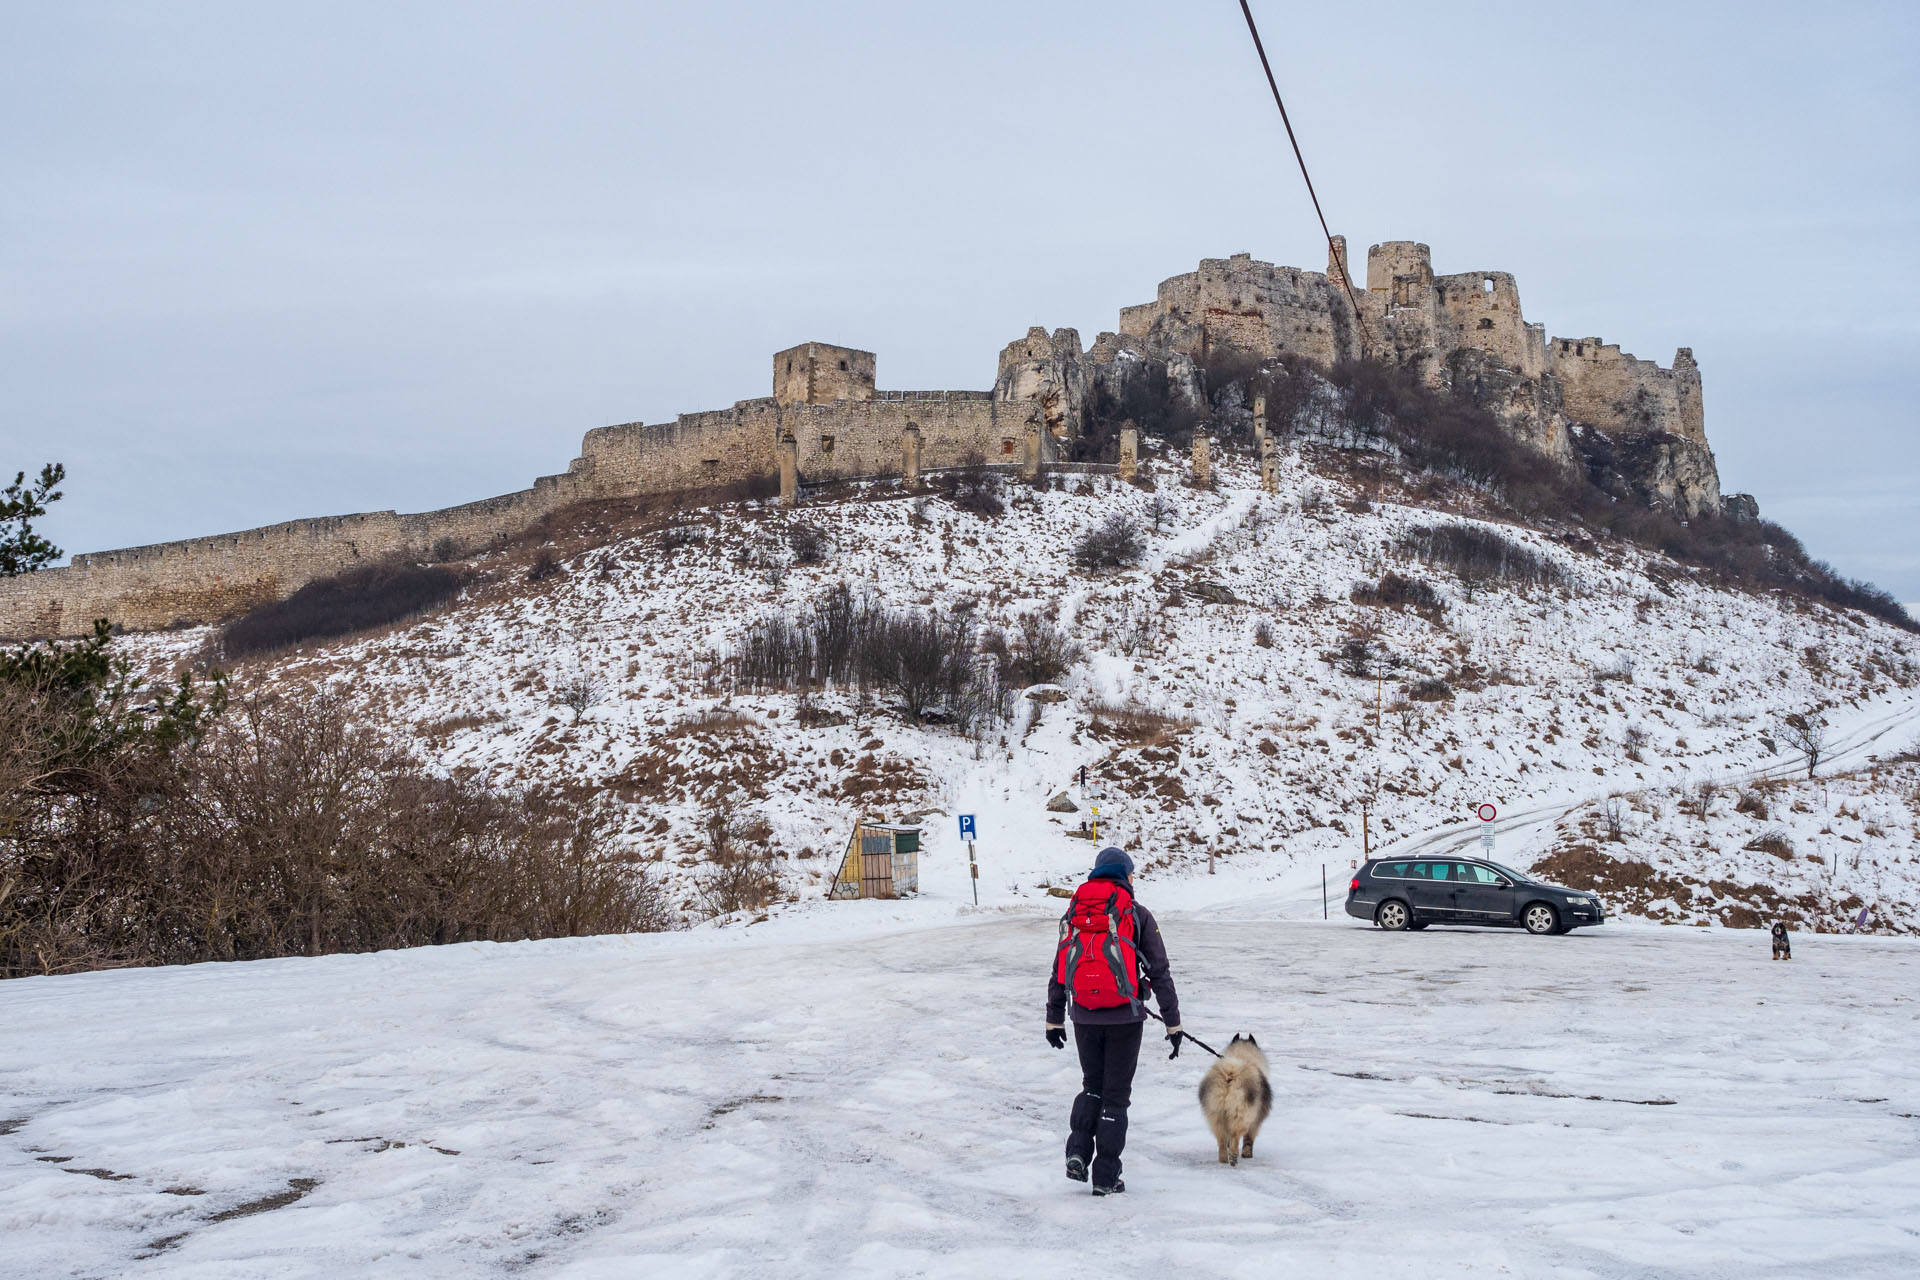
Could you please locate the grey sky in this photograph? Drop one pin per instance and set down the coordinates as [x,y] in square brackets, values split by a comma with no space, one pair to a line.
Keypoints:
[260,261]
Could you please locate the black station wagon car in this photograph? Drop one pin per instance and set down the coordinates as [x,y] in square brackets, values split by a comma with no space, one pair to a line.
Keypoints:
[1412,893]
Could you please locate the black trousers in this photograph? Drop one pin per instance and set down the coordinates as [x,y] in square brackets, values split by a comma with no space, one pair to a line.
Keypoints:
[1097,1129]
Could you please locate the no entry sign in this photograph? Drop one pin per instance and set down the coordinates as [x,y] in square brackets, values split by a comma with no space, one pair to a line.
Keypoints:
[1487,813]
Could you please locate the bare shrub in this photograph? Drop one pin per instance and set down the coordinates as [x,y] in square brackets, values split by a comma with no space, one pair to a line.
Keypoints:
[1134,721]
[1396,590]
[1614,815]
[1040,652]
[809,543]
[1775,842]
[741,871]
[1263,634]
[1430,690]
[357,600]
[976,488]
[292,830]
[578,691]
[1114,543]
[1807,734]
[1620,667]
[931,662]
[1753,804]
[545,566]
[1480,556]
[1634,741]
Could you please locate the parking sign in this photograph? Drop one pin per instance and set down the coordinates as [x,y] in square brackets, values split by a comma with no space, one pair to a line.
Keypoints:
[966,826]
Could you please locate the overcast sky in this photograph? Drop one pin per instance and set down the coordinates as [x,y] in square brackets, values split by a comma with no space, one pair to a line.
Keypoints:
[262,261]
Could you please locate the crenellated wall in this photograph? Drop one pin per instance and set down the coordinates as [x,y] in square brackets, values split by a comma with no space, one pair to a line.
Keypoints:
[827,417]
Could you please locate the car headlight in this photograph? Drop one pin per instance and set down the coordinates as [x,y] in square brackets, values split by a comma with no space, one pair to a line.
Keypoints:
[1579,900]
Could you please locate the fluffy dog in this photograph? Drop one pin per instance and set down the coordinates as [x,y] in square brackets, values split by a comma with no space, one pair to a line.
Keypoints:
[1237,1097]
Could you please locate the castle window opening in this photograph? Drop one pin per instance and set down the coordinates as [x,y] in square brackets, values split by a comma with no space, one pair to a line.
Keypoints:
[1006,446]
[1486,322]
[1489,284]
[826,444]
[1580,349]
[843,363]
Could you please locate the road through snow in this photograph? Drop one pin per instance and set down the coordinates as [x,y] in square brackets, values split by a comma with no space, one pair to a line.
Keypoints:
[1625,1102]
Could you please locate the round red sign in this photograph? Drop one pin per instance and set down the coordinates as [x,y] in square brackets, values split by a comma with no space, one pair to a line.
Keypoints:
[1487,813]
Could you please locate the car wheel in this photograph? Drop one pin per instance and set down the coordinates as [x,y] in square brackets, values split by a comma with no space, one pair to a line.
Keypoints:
[1541,918]
[1393,916]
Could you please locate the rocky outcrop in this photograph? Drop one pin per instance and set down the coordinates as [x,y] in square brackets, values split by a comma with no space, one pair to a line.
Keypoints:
[1654,469]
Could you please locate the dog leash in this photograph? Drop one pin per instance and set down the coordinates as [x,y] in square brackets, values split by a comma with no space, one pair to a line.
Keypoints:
[1188,1035]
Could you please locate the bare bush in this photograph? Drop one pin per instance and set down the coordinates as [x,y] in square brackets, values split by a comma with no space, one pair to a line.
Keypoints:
[809,543]
[291,830]
[976,488]
[741,872]
[931,662]
[1614,815]
[1753,804]
[1134,721]
[545,566]
[356,600]
[1634,741]
[1807,734]
[1040,652]
[1396,590]
[1775,842]
[1479,556]
[1114,543]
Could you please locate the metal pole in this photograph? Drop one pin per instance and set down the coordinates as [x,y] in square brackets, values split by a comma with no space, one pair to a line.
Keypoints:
[973,870]
[1323,891]
[1366,844]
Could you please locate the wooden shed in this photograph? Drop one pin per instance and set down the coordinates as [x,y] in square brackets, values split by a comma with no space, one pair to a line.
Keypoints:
[882,861]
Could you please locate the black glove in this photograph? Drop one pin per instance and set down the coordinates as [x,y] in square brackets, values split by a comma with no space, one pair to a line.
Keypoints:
[1057,1037]
[1174,1038]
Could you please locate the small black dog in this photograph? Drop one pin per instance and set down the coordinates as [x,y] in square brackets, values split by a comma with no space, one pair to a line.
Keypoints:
[1782,945]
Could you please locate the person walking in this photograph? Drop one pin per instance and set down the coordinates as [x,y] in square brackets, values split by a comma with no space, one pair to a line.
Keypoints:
[1110,960]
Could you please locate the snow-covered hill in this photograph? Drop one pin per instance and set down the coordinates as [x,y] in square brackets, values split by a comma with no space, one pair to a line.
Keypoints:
[839,1095]
[1210,706]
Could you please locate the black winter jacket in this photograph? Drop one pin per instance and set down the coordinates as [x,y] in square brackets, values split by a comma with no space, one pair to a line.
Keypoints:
[1153,960]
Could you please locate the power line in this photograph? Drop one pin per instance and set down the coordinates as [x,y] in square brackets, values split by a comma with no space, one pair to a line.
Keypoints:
[1346,273]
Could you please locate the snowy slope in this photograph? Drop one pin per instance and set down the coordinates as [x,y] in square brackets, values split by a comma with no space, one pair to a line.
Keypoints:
[1270,747]
[841,1096]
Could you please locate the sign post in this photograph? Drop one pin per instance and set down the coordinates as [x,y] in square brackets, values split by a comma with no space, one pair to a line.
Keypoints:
[1486,813]
[1323,891]
[967,833]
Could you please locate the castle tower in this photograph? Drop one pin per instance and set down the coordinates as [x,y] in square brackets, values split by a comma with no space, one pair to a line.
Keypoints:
[1401,269]
[820,373]
[1337,268]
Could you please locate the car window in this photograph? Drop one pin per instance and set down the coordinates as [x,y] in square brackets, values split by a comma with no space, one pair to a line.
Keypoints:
[1394,870]
[1432,870]
[1476,873]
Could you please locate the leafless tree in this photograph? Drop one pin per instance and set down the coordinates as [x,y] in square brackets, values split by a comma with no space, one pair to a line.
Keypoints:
[1807,734]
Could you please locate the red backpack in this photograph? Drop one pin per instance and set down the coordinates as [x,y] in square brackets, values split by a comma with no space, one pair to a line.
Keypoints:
[1098,953]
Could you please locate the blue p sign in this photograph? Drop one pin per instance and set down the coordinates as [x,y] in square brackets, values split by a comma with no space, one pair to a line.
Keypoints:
[966,826]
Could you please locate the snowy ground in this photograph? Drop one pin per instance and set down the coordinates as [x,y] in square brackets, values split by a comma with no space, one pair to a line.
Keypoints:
[866,1093]
[1269,747]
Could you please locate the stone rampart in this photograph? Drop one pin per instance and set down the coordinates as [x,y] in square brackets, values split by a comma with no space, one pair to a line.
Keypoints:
[826,420]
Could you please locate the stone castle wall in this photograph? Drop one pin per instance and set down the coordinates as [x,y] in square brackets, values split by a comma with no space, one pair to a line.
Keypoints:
[826,420]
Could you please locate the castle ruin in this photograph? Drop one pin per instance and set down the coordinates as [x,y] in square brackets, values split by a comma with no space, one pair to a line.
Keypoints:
[1574,399]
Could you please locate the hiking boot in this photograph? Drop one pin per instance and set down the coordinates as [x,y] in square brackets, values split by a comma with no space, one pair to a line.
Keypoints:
[1076,1168]
[1119,1185]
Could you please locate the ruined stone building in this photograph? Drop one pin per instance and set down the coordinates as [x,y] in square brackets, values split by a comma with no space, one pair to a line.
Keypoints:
[1575,399]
